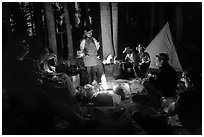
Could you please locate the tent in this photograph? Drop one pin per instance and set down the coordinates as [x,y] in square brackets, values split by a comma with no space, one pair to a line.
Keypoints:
[163,43]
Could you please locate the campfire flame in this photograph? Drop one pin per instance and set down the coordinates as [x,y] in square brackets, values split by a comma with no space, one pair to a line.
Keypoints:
[103,82]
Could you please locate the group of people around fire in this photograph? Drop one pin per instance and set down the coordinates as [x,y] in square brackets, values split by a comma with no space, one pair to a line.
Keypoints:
[173,96]
[37,89]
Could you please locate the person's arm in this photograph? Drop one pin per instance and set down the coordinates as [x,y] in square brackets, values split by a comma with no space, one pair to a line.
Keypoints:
[46,68]
[96,43]
[147,57]
[82,46]
[126,58]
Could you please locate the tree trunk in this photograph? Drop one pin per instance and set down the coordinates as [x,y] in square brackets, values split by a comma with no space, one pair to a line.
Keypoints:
[115,26]
[152,24]
[86,6]
[69,32]
[179,23]
[38,19]
[31,18]
[51,26]
[6,37]
[161,15]
[127,14]
[106,29]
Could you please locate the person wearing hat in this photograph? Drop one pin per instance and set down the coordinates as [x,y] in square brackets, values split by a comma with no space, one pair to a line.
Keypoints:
[88,48]
[186,118]
[130,54]
[142,61]
[166,78]
[129,61]
[163,85]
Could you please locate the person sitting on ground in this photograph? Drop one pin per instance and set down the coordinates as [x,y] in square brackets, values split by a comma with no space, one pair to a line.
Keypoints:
[190,101]
[51,62]
[142,62]
[129,60]
[15,73]
[61,98]
[166,78]
[163,85]
[49,81]
[25,98]
[186,117]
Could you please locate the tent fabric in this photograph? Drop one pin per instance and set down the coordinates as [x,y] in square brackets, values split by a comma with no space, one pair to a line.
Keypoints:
[163,43]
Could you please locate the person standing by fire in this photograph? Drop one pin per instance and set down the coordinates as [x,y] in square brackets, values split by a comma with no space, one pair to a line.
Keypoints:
[88,49]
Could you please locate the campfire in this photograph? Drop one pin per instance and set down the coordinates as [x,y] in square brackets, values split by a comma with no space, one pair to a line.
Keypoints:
[112,90]
[103,82]
[105,86]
